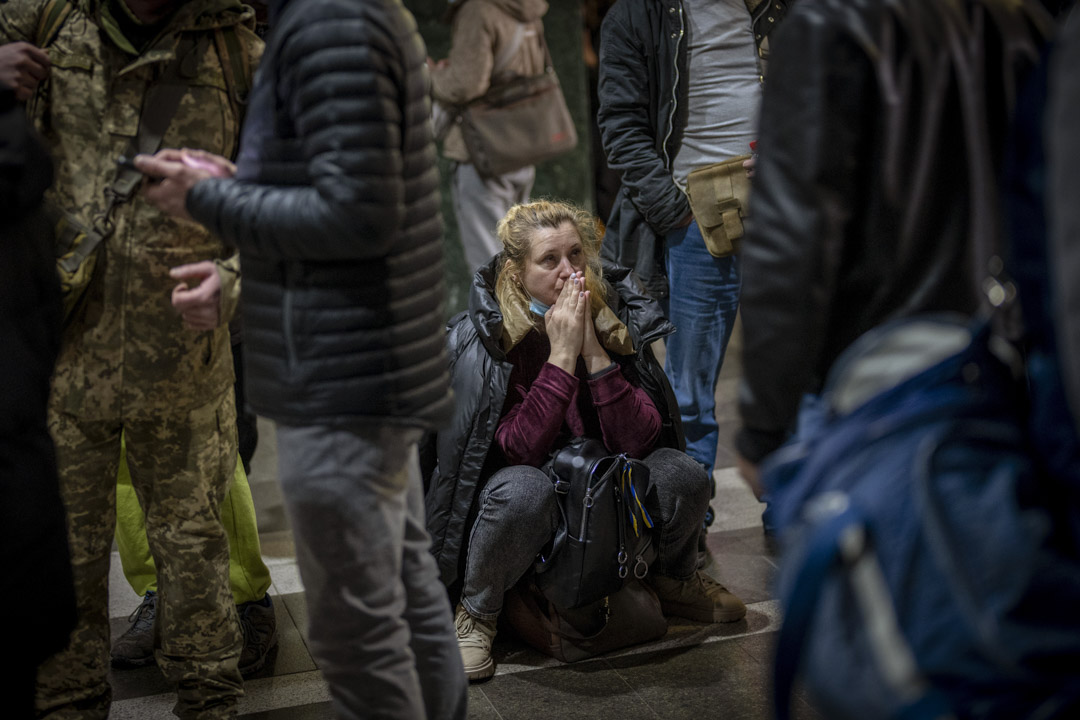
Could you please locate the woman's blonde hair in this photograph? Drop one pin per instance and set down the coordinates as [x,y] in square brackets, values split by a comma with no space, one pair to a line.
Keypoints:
[516,231]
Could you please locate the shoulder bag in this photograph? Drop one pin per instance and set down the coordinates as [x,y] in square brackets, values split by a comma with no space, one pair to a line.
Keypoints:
[605,534]
[630,616]
[519,122]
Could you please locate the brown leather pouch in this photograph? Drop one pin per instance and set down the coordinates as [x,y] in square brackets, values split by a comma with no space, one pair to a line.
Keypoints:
[719,198]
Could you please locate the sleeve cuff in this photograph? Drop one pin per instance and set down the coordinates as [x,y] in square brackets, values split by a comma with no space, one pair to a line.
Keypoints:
[229,272]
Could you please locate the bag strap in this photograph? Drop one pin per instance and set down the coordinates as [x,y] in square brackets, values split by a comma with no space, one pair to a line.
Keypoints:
[842,543]
[535,596]
[159,107]
[236,66]
[509,51]
[52,19]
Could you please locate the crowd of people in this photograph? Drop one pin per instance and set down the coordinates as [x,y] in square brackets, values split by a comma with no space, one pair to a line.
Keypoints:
[162,153]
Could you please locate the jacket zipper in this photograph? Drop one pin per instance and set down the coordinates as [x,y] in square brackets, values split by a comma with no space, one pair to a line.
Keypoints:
[287,323]
[674,92]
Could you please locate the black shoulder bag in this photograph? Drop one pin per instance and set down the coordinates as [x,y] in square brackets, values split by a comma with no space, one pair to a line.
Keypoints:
[605,535]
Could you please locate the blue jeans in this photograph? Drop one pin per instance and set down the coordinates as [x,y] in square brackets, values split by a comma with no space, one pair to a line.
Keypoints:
[380,623]
[702,304]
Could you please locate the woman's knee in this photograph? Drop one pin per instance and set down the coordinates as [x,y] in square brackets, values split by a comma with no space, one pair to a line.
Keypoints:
[519,490]
[675,471]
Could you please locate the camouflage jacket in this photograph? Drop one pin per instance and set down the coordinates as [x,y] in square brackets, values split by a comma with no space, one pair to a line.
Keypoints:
[126,351]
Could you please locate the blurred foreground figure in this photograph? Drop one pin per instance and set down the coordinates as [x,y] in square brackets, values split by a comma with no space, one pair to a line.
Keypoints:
[32,531]
[930,565]
[882,135]
[335,208]
[1064,182]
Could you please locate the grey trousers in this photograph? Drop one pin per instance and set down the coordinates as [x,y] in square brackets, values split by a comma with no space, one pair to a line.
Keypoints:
[518,515]
[380,624]
[480,203]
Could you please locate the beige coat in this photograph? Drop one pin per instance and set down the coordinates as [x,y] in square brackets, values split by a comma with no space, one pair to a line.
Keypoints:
[481,30]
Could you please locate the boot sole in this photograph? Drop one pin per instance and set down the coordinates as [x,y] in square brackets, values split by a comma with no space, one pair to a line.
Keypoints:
[706,616]
[130,664]
[482,672]
[261,662]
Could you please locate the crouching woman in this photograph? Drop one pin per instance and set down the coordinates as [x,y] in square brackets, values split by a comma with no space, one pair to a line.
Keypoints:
[549,350]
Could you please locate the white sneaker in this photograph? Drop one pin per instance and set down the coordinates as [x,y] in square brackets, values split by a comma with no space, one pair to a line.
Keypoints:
[474,636]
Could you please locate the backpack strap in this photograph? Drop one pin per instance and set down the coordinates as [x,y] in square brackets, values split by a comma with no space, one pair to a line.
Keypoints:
[159,106]
[236,67]
[52,19]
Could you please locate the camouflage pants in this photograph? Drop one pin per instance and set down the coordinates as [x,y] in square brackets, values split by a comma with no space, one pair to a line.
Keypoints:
[180,467]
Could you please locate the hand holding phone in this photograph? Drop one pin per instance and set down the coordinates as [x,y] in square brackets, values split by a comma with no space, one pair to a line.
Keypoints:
[199,163]
[125,163]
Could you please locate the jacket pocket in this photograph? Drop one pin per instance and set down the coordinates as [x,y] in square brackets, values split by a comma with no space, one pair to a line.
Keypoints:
[75,97]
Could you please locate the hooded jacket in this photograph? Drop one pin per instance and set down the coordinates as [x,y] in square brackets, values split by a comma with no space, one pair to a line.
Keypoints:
[480,32]
[335,210]
[458,461]
[876,193]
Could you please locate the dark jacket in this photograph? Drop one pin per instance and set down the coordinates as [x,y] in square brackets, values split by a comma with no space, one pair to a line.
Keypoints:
[875,195]
[1064,165]
[33,531]
[642,90]
[458,460]
[335,210]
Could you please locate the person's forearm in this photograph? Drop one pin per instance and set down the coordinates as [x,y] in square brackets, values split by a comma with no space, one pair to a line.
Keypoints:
[527,432]
[629,420]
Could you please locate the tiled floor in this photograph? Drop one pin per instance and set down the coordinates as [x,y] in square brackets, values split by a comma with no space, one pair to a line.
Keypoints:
[694,671]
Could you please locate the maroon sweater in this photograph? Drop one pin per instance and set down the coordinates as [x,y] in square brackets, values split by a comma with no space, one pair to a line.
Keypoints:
[546,406]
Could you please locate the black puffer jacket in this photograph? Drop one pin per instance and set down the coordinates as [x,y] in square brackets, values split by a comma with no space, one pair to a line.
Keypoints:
[335,210]
[459,460]
[876,190]
[642,93]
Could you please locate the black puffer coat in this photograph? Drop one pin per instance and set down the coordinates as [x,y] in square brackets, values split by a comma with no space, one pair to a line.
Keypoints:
[459,460]
[876,192]
[335,211]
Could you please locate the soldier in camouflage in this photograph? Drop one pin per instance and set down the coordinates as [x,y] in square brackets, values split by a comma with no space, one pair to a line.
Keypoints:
[128,362]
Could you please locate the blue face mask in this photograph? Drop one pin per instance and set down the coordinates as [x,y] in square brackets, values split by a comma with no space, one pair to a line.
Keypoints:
[538,307]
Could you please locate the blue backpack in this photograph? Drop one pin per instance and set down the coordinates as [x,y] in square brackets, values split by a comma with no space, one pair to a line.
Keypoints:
[924,573]
[930,517]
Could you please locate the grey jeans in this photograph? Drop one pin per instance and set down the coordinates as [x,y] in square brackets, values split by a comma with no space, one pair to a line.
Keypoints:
[480,203]
[380,624]
[518,515]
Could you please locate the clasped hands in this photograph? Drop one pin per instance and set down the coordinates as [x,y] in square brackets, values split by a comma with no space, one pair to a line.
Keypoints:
[571,331]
